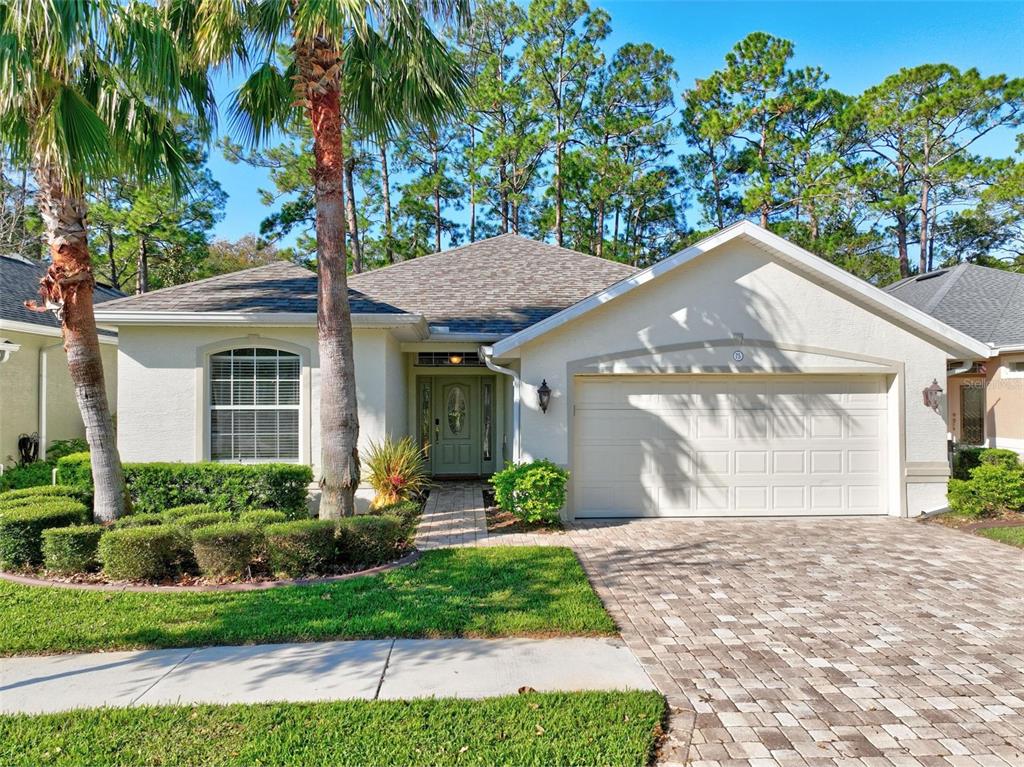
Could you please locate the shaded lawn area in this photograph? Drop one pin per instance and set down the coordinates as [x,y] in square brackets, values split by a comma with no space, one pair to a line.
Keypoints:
[1011,535]
[486,592]
[606,728]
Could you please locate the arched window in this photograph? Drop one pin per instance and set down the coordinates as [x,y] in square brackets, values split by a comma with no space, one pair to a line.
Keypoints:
[254,405]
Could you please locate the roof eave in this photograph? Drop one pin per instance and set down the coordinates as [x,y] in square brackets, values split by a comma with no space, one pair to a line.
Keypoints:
[273,319]
[875,297]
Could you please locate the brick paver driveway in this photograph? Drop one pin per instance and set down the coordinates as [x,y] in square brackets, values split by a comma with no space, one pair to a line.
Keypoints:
[864,641]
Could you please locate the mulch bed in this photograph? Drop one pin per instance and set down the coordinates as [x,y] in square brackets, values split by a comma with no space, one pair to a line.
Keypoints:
[970,524]
[96,582]
[501,521]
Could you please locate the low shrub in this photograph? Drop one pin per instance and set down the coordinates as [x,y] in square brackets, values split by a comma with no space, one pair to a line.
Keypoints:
[39,473]
[226,549]
[1000,456]
[965,458]
[21,530]
[62,447]
[144,553]
[224,486]
[301,547]
[34,500]
[262,517]
[369,540]
[177,512]
[533,492]
[139,520]
[992,489]
[195,521]
[71,549]
[396,471]
[66,491]
[407,511]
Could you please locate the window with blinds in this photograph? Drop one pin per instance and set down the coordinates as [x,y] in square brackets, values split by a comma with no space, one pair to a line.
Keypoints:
[254,405]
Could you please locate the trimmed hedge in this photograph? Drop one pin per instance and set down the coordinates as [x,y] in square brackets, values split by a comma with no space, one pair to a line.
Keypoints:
[262,517]
[226,549]
[993,488]
[38,474]
[224,486]
[66,491]
[176,513]
[71,549]
[196,521]
[407,511]
[34,501]
[144,553]
[370,540]
[533,492]
[21,530]
[139,520]
[302,547]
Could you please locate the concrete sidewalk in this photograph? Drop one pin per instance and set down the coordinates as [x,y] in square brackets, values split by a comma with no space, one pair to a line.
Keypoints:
[403,668]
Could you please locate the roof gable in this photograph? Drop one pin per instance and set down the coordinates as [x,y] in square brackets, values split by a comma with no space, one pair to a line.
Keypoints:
[985,303]
[778,248]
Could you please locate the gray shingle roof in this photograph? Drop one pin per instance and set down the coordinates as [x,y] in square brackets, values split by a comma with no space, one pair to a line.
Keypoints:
[19,282]
[494,286]
[985,303]
[278,287]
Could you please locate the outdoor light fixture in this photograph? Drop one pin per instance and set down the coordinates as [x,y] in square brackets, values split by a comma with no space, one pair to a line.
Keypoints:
[455,359]
[931,395]
[544,396]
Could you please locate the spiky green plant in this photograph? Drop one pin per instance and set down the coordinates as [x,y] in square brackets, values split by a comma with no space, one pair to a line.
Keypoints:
[396,471]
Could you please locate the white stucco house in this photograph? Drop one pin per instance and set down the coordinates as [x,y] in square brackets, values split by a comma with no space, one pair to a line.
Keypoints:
[742,376]
[37,397]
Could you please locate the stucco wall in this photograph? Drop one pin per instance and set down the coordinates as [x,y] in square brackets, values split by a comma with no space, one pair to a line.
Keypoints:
[162,378]
[738,289]
[20,388]
[1004,403]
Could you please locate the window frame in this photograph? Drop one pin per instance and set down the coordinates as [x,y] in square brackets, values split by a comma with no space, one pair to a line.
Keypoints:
[205,407]
[1009,362]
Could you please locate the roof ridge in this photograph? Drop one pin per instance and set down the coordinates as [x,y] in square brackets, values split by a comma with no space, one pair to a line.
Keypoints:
[206,280]
[954,277]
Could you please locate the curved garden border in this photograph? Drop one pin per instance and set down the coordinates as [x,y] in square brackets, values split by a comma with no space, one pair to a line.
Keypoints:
[28,580]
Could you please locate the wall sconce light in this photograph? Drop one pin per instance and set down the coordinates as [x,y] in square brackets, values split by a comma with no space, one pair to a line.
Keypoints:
[454,359]
[931,395]
[544,396]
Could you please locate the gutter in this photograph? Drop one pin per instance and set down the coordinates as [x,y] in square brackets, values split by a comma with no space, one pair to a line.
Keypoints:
[487,355]
[361,320]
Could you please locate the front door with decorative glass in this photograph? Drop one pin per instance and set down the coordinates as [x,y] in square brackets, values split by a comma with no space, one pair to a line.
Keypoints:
[456,446]
[972,413]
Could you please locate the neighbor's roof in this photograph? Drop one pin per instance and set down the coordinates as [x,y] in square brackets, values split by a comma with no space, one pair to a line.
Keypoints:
[985,303]
[19,282]
[495,286]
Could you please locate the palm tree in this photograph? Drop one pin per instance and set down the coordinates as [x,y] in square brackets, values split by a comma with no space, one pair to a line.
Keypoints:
[371,64]
[86,92]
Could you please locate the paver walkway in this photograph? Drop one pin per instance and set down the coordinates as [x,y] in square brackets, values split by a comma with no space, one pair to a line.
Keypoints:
[452,516]
[816,642]
[389,668]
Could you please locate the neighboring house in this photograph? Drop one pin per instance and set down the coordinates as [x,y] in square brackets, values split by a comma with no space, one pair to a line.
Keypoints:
[741,376]
[986,392]
[36,395]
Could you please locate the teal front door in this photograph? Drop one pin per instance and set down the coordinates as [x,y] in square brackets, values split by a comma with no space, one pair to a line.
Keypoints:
[457,427]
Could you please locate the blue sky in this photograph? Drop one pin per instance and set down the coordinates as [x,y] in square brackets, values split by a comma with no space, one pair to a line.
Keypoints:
[857,43]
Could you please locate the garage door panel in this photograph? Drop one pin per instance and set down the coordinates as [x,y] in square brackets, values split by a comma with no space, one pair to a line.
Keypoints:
[715,445]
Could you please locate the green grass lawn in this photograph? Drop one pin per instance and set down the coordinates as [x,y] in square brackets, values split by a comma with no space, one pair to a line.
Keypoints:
[591,728]
[1011,535]
[486,592]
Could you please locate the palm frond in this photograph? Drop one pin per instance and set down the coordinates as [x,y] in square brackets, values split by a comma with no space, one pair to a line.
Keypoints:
[71,136]
[262,104]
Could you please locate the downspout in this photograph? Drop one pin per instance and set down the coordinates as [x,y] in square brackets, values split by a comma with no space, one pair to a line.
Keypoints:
[44,355]
[486,353]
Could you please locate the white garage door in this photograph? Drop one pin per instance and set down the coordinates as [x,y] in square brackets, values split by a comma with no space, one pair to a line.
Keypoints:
[729,445]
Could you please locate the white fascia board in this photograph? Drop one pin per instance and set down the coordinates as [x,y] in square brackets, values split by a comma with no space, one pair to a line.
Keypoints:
[997,350]
[45,330]
[250,318]
[787,251]
[473,338]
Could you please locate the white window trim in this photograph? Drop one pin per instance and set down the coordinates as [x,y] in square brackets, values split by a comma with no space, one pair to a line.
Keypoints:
[204,439]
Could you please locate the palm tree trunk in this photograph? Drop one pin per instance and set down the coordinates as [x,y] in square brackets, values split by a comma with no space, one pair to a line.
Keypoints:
[69,283]
[350,213]
[385,188]
[339,419]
